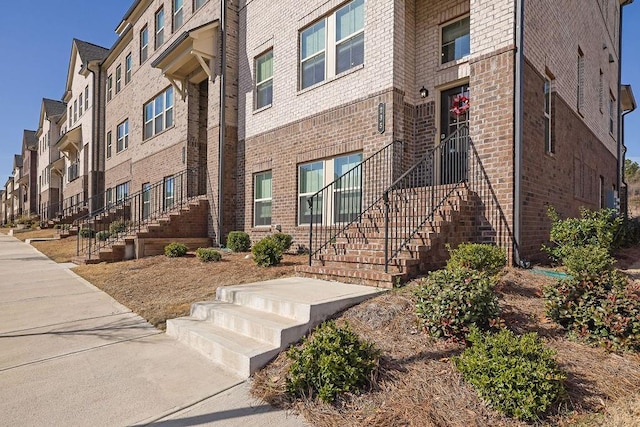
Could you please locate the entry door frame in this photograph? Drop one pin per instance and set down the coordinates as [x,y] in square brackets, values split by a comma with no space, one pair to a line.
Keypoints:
[443,91]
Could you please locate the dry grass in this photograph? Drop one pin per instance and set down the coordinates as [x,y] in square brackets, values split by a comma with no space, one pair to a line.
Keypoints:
[160,288]
[417,384]
[58,250]
[47,233]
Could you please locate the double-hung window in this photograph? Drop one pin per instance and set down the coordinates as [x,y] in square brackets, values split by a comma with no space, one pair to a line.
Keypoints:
[80,105]
[612,114]
[109,87]
[580,88]
[127,69]
[178,10]
[159,20]
[118,78]
[144,44]
[332,45]
[75,110]
[123,136]
[109,144]
[197,4]
[310,180]
[262,199]
[146,200]
[86,98]
[456,40]
[264,80]
[169,191]
[158,113]
[122,191]
[548,141]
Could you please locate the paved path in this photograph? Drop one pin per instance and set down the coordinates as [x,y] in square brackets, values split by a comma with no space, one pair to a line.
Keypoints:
[71,355]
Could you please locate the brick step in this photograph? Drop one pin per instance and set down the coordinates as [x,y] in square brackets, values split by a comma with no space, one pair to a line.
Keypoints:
[396,265]
[373,249]
[358,277]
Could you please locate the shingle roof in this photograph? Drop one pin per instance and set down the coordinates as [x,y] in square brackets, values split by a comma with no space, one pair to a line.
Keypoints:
[53,108]
[29,139]
[17,161]
[89,51]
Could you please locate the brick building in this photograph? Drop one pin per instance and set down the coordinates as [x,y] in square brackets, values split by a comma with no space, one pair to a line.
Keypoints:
[28,179]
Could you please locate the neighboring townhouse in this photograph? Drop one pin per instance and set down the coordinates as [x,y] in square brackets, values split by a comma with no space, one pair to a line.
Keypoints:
[16,190]
[28,180]
[80,142]
[51,165]
[7,201]
[3,208]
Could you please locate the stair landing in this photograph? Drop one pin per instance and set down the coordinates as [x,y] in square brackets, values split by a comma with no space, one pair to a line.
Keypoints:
[248,325]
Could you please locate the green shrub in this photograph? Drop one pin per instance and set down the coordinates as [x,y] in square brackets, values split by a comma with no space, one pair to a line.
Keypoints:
[267,252]
[238,241]
[103,235]
[604,310]
[449,302]
[333,360]
[86,233]
[208,254]
[515,375]
[630,232]
[488,259]
[284,241]
[57,227]
[117,227]
[598,228]
[588,262]
[175,249]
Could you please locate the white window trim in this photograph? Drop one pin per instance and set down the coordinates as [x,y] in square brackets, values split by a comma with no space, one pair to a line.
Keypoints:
[125,136]
[144,48]
[128,66]
[118,78]
[158,30]
[440,41]
[263,82]
[262,200]
[86,98]
[155,114]
[177,11]
[109,87]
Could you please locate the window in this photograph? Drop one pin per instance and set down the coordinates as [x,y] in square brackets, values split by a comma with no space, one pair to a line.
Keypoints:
[177,14]
[262,199]
[456,42]
[109,87]
[159,28]
[580,94]
[127,69]
[169,191]
[197,4]
[601,92]
[75,110]
[548,143]
[109,196]
[264,80]
[612,115]
[158,113]
[86,98]
[336,39]
[80,105]
[118,78]
[123,136]
[122,191]
[144,44]
[70,115]
[346,200]
[109,144]
[146,200]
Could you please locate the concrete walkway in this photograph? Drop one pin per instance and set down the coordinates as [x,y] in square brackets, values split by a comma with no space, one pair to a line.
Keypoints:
[71,355]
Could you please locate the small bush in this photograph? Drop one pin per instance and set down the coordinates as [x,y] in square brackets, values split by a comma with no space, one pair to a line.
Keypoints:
[488,259]
[604,310]
[267,252]
[515,375]
[57,227]
[208,255]
[175,249]
[103,235]
[588,262]
[334,360]
[284,241]
[117,227]
[449,302]
[86,233]
[238,241]
[599,228]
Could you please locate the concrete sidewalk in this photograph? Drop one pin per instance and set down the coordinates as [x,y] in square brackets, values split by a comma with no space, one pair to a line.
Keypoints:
[71,355]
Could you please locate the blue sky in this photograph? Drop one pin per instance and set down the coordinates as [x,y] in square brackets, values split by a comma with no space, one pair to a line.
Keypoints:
[35,45]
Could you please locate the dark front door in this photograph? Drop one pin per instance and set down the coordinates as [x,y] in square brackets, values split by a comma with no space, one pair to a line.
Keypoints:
[454,114]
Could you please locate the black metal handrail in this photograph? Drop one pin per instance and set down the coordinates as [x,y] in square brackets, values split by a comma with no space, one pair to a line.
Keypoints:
[414,198]
[128,215]
[344,201]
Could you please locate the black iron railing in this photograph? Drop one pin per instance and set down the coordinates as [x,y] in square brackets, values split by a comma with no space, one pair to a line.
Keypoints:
[331,211]
[131,213]
[412,201]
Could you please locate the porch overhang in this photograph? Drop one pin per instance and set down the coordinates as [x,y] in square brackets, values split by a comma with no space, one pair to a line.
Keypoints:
[57,166]
[627,100]
[24,180]
[70,141]
[191,57]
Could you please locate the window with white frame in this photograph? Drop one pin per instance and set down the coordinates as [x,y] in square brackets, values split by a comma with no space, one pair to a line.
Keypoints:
[109,144]
[158,113]
[118,78]
[456,40]
[70,115]
[127,68]
[80,105]
[86,98]
[75,110]
[332,45]
[122,191]
[144,44]
[612,113]
[264,79]
[178,14]
[123,136]
[169,191]
[548,142]
[108,196]
[345,202]
[109,87]
[197,4]
[262,199]
[146,200]
[159,27]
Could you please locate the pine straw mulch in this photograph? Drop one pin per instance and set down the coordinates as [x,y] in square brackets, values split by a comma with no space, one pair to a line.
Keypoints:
[160,288]
[417,385]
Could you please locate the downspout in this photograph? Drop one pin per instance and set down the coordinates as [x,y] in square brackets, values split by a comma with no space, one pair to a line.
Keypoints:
[517,129]
[222,125]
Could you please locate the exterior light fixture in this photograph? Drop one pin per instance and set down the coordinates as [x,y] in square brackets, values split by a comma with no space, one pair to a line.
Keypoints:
[424,92]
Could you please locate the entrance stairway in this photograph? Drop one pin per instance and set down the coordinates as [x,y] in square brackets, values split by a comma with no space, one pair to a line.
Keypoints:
[248,325]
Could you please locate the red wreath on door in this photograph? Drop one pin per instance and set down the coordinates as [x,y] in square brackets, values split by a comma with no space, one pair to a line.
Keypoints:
[460,105]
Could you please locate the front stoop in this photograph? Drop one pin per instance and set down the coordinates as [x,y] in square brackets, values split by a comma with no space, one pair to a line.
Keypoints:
[248,325]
